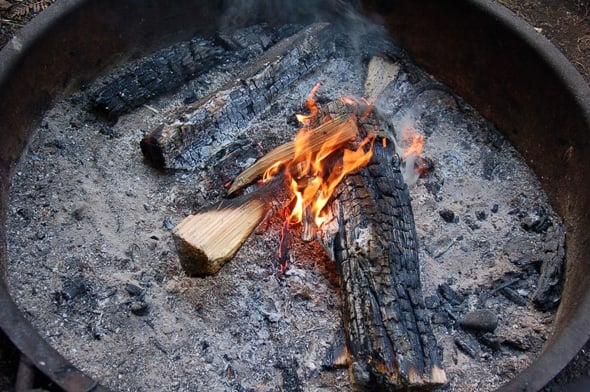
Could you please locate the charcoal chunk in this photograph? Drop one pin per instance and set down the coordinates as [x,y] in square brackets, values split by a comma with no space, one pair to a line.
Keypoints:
[468,345]
[448,216]
[450,295]
[479,320]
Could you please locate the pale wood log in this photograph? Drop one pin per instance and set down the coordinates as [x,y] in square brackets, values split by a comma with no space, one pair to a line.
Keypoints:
[207,240]
[338,131]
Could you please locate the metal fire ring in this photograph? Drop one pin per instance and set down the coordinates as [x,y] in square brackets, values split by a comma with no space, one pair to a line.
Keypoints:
[491,58]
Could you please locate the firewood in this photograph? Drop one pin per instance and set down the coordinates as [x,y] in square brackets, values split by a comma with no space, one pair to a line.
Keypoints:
[372,239]
[207,240]
[167,69]
[200,130]
[380,74]
[337,131]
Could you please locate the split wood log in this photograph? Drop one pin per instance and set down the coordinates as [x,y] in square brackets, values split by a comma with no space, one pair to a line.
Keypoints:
[209,125]
[208,239]
[371,237]
[337,132]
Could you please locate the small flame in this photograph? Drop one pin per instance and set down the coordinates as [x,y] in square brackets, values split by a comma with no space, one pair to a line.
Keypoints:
[311,105]
[410,149]
[414,142]
[313,177]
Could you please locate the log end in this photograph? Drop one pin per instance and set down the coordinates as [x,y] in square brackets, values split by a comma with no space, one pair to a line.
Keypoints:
[194,260]
[152,149]
[207,240]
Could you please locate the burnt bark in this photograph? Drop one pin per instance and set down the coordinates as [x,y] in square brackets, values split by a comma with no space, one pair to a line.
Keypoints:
[207,126]
[372,239]
[165,71]
[168,69]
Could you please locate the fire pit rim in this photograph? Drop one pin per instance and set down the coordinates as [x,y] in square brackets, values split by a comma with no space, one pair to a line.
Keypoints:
[561,348]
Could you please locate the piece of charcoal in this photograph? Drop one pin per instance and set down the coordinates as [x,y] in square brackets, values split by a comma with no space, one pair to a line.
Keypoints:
[549,285]
[448,216]
[468,345]
[134,290]
[513,296]
[72,288]
[490,340]
[536,222]
[481,215]
[450,295]
[479,320]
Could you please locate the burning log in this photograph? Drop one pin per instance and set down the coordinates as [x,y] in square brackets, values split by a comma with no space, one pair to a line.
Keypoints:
[337,132]
[372,239]
[206,240]
[211,123]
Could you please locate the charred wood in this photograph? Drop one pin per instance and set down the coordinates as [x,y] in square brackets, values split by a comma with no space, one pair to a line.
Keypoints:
[163,72]
[168,69]
[210,124]
[372,239]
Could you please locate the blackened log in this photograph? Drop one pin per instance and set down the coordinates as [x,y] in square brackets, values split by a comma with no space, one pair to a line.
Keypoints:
[162,72]
[207,126]
[168,69]
[371,237]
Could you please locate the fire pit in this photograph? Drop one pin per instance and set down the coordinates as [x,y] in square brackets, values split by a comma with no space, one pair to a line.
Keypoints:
[515,123]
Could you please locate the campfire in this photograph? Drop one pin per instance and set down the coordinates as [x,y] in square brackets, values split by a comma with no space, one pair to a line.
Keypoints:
[296,235]
[355,228]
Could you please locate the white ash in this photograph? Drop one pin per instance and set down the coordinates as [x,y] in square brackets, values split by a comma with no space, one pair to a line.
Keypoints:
[87,216]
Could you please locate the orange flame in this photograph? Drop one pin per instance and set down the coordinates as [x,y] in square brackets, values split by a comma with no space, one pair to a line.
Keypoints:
[414,142]
[314,176]
[311,105]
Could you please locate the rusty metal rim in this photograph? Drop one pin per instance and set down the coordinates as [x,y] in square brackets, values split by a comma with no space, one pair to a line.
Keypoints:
[573,320]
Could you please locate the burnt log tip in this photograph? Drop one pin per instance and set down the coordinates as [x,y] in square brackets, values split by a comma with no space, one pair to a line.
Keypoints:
[152,150]
[366,379]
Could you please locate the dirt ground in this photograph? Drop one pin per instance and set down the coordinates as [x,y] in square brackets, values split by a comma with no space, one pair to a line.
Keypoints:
[565,23]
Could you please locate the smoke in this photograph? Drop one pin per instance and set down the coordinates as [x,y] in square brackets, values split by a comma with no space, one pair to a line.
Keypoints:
[354,26]
[403,127]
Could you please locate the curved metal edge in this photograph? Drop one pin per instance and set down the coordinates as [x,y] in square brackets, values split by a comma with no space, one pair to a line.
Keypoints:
[562,346]
[12,322]
[27,35]
[571,328]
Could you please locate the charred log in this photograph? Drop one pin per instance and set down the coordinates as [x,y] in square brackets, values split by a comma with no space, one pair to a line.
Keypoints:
[208,125]
[163,72]
[168,69]
[372,239]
